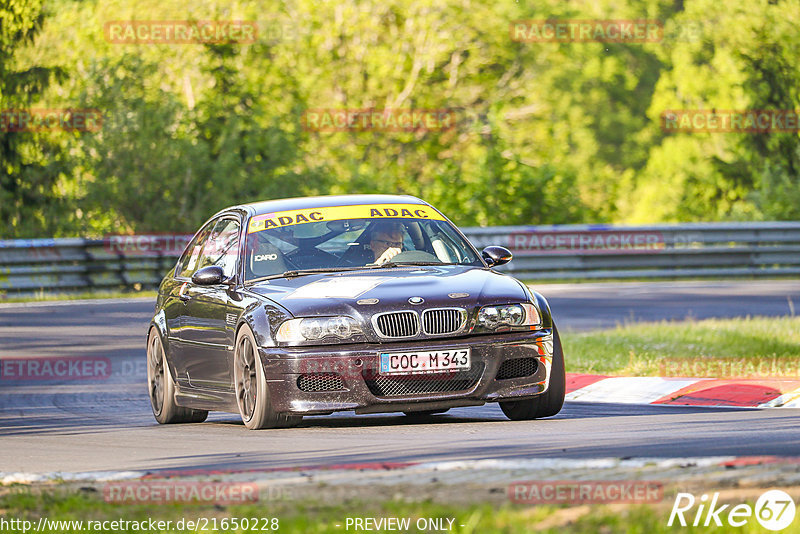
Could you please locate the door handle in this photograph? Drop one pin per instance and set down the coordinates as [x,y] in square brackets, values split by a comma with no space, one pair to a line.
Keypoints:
[182,294]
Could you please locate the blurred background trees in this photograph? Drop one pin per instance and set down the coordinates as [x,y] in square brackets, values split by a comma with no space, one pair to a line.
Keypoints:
[34,167]
[548,133]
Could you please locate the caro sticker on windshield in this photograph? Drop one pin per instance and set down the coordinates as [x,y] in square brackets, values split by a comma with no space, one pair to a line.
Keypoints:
[337,288]
[281,219]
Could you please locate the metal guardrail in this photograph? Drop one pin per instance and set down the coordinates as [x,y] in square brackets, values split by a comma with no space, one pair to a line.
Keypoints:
[756,249]
[74,264]
[753,249]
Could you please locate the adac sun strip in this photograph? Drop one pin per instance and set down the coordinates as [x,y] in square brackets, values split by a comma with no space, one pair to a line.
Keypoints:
[281,219]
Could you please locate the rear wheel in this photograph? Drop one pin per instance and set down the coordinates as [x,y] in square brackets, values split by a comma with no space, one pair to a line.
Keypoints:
[162,388]
[550,402]
[252,392]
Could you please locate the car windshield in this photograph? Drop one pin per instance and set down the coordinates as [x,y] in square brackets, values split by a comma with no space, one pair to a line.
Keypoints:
[330,239]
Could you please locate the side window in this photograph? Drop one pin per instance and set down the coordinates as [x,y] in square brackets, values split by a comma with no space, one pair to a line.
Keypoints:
[187,265]
[222,247]
[446,244]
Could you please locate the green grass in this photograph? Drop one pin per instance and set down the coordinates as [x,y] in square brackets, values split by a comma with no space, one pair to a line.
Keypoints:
[306,517]
[45,297]
[768,345]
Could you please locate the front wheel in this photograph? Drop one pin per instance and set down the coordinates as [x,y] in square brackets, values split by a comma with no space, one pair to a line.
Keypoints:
[550,402]
[252,392]
[162,388]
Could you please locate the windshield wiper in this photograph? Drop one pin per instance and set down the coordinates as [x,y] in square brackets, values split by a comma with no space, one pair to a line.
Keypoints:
[390,264]
[304,272]
[424,263]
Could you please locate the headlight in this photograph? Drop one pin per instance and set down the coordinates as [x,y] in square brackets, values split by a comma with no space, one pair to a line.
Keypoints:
[316,328]
[494,317]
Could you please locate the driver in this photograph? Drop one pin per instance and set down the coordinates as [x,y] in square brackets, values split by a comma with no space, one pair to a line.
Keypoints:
[386,241]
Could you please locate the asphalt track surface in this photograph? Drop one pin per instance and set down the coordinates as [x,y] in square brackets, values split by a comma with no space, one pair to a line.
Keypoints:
[106,424]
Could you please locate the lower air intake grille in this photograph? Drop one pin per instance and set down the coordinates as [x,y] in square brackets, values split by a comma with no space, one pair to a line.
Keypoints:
[518,368]
[320,382]
[403,385]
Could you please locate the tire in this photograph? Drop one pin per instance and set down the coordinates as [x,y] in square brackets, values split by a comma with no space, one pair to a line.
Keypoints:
[550,402]
[252,391]
[426,413]
[161,387]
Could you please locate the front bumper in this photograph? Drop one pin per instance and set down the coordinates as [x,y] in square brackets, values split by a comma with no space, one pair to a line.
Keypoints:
[363,390]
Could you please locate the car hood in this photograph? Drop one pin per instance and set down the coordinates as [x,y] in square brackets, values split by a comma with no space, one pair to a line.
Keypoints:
[360,294]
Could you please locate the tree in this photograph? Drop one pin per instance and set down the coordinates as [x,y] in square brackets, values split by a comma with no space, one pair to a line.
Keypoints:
[31,163]
[743,58]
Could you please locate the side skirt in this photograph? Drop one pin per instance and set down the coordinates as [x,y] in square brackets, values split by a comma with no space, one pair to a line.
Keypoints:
[203,399]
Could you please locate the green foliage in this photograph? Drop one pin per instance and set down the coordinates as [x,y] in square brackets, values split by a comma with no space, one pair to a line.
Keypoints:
[547,132]
[31,165]
[744,56]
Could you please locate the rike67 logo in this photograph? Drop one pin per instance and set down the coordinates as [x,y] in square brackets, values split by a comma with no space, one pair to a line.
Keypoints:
[774,510]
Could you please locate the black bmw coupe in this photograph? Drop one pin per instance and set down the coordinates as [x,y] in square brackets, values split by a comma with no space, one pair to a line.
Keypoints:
[364,303]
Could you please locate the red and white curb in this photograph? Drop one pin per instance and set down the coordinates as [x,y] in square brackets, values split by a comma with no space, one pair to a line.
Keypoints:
[767,393]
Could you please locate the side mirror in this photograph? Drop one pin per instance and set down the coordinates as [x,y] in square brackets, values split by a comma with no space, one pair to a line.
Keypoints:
[495,256]
[209,276]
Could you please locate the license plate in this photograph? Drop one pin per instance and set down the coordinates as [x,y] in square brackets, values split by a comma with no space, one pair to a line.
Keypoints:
[424,361]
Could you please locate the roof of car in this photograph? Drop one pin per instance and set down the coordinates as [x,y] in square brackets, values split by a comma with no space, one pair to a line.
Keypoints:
[299,203]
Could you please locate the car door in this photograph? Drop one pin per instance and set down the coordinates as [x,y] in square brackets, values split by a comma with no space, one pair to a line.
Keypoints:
[211,313]
[176,300]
